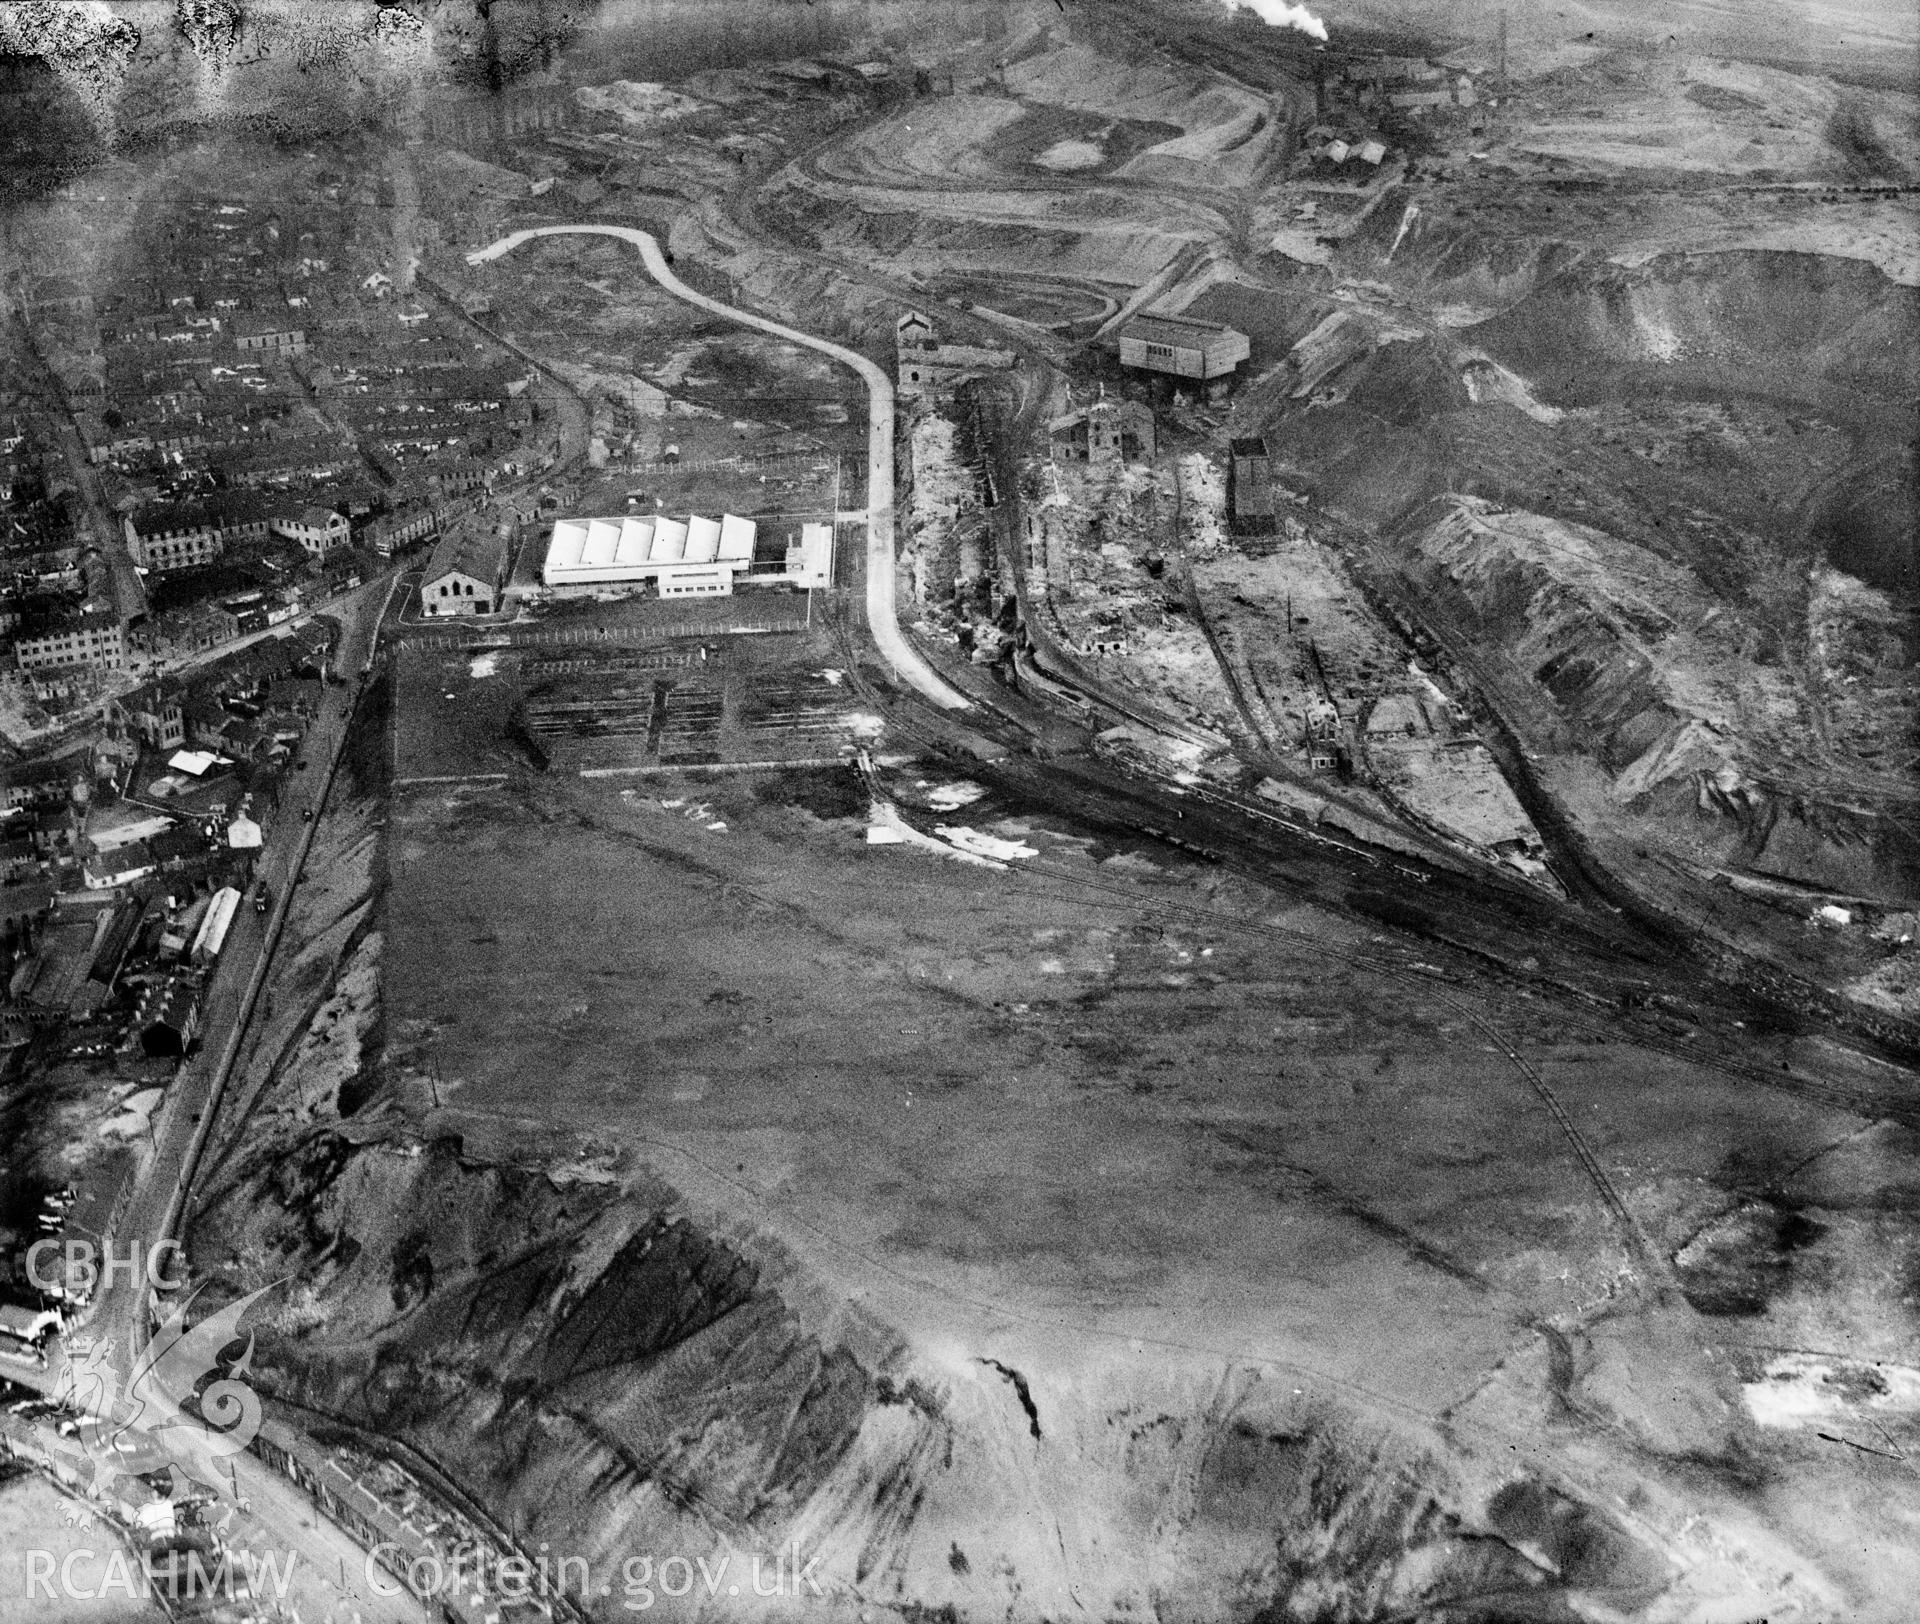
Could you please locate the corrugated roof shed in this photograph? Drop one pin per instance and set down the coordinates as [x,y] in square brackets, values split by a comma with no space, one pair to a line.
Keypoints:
[1179,331]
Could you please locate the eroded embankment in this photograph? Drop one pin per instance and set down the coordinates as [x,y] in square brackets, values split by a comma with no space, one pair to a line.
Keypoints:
[1706,457]
[608,1373]
[1699,721]
[608,1378]
[1834,333]
[668,1207]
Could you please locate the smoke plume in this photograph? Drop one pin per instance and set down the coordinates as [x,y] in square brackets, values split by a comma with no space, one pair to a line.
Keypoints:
[1278,14]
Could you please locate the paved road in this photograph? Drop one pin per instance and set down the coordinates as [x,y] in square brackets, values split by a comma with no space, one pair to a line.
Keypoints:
[181,1125]
[103,523]
[882,617]
[282,1518]
[183,1121]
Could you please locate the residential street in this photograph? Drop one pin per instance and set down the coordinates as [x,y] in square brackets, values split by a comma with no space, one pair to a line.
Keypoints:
[282,1517]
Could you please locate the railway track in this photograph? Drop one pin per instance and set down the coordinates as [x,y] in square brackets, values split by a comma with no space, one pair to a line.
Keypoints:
[1641,1248]
[1655,1267]
[1861,1102]
[1635,1240]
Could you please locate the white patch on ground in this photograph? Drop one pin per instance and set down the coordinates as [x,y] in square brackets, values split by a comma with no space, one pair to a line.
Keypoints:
[1806,1389]
[135,1115]
[1070,155]
[951,797]
[886,827]
[1462,315]
[1408,216]
[1203,505]
[637,101]
[1489,383]
[958,834]
[1178,751]
[1303,247]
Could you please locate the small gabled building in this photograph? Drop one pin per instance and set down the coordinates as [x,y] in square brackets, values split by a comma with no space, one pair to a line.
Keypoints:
[924,364]
[207,720]
[157,713]
[18,859]
[121,866]
[51,830]
[169,1018]
[467,573]
[401,527]
[293,698]
[318,530]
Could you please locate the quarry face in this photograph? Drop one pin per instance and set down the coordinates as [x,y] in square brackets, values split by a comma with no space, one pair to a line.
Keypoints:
[1252,960]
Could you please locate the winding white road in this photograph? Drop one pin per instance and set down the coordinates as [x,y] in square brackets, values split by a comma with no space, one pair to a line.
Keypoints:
[882,619]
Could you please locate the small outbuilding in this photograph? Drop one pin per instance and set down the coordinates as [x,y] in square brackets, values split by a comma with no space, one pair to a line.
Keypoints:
[169,1019]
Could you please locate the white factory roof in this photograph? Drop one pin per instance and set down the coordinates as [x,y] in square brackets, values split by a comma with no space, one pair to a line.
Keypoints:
[669,542]
[736,539]
[703,540]
[636,542]
[810,563]
[564,546]
[603,540]
[634,548]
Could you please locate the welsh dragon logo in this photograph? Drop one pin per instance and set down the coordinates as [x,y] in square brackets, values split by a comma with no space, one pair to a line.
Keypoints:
[158,1412]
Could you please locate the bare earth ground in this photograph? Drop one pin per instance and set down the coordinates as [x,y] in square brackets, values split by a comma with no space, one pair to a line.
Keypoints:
[697,1175]
[1211,1269]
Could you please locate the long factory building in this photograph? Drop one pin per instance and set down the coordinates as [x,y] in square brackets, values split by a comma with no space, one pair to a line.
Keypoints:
[694,557]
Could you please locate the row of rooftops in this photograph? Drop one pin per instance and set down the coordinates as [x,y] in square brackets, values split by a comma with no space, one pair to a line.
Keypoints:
[44,615]
[219,512]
